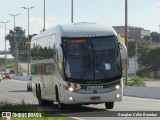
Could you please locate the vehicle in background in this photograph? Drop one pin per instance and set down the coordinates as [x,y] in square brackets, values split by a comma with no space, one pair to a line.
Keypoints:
[29,84]
[6,75]
[20,74]
[12,72]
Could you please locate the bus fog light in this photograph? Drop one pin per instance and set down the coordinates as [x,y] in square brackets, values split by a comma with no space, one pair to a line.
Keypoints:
[71,98]
[118,95]
[70,89]
[117,87]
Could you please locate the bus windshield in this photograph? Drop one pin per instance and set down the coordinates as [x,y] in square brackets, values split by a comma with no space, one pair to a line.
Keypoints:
[92,59]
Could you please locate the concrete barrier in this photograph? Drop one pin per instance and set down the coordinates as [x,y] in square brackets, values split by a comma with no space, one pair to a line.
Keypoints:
[145,92]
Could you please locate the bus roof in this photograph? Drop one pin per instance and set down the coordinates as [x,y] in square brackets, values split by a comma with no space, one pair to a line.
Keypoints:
[83,29]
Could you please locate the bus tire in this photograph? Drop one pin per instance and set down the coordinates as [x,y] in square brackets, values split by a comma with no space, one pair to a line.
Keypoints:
[61,106]
[109,105]
[36,91]
[40,100]
[27,88]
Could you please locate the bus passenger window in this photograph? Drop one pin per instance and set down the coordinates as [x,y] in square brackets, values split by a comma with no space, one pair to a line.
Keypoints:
[48,68]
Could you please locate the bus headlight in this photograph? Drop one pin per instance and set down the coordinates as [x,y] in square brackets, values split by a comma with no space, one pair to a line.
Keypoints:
[71,98]
[118,95]
[117,87]
[70,89]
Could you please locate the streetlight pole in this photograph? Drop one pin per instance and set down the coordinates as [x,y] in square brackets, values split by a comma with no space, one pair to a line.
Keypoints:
[126,40]
[159,33]
[28,46]
[15,48]
[44,16]
[71,11]
[5,44]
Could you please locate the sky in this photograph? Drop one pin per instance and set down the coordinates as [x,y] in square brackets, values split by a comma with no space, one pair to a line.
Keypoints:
[141,13]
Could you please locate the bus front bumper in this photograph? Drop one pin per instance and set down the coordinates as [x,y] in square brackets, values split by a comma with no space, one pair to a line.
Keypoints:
[75,98]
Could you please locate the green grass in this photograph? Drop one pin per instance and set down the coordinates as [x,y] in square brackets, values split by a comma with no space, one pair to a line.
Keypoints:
[39,118]
[25,109]
[43,118]
[11,67]
[136,82]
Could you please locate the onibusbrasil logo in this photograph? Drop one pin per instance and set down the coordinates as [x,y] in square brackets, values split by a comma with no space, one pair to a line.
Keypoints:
[8,115]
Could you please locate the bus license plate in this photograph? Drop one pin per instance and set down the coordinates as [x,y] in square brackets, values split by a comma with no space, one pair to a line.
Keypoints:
[95,98]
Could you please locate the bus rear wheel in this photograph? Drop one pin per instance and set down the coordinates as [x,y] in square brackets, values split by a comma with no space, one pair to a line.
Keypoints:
[40,100]
[109,105]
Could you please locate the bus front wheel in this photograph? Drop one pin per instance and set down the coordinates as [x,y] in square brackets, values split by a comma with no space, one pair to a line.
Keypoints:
[61,106]
[109,105]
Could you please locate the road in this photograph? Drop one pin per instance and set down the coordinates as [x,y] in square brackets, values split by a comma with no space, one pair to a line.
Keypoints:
[16,91]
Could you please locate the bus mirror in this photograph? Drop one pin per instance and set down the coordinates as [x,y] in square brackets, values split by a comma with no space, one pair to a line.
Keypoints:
[123,51]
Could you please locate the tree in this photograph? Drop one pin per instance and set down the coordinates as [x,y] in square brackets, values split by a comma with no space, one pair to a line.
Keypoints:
[141,46]
[20,38]
[131,49]
[148,38]
[155,37]
[151,60]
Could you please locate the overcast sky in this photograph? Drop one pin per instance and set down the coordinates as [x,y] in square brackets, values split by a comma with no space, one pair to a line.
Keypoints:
[141,13]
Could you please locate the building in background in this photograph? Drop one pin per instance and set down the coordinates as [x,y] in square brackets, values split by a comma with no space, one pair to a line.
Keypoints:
[134,33]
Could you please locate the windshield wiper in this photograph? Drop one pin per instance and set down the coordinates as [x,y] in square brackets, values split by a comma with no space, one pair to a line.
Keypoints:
[97,65]
[84,73]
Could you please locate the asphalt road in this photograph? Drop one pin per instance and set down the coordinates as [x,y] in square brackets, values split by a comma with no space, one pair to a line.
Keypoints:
[16,91]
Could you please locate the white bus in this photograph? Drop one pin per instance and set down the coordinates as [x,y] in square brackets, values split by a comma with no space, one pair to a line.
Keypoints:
[77,64]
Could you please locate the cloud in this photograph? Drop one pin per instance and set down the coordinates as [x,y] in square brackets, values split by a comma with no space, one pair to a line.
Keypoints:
[36,24]
[156,6]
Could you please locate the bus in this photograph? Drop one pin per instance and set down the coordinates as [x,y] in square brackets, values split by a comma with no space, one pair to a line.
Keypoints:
[77,64]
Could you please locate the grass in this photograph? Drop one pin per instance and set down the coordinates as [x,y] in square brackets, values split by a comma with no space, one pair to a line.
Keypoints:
[136,82]
[26,109]
[32,118]
[11,67]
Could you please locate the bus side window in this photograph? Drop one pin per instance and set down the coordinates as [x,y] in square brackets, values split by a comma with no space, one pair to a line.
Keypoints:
[42,69]
[48,68]
[38,68]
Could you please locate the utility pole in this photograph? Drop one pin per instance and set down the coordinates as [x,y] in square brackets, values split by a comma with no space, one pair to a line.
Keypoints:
[44,15]
[159,33]
[28,47]
[71,11]
[5,44]
[15,48]
[126,41]
[136,57]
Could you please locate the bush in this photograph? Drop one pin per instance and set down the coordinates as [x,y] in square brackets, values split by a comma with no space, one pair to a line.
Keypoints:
[137,82]
[146,72]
